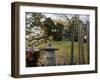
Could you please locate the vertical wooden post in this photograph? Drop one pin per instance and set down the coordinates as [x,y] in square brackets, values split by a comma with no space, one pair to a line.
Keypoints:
[87,41]
[81,44]
[82,37]
[72,44]
[79,41]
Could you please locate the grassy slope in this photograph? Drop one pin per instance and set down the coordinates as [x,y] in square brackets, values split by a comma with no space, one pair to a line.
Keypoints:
[65,48]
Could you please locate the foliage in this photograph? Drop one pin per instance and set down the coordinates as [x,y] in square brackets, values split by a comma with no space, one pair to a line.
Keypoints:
[41,29]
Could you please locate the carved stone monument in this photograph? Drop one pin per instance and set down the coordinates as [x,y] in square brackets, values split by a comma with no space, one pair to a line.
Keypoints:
[50,55]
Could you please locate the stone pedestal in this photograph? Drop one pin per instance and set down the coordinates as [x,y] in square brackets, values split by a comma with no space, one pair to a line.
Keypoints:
[50,55]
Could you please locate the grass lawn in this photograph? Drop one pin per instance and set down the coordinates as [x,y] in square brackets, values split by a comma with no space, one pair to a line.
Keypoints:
[65,50]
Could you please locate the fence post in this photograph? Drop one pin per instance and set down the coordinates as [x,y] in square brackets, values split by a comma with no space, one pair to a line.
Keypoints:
[72,44]
[87,40]
[81,44]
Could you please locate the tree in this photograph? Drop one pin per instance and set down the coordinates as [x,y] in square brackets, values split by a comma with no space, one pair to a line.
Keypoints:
[49,26]
[53,29]
[57,36]
[34,28]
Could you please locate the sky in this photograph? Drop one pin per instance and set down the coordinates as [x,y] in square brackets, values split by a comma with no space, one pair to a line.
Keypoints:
[82,17]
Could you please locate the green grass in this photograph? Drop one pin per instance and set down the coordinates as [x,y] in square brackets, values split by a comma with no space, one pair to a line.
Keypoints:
[65,49]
